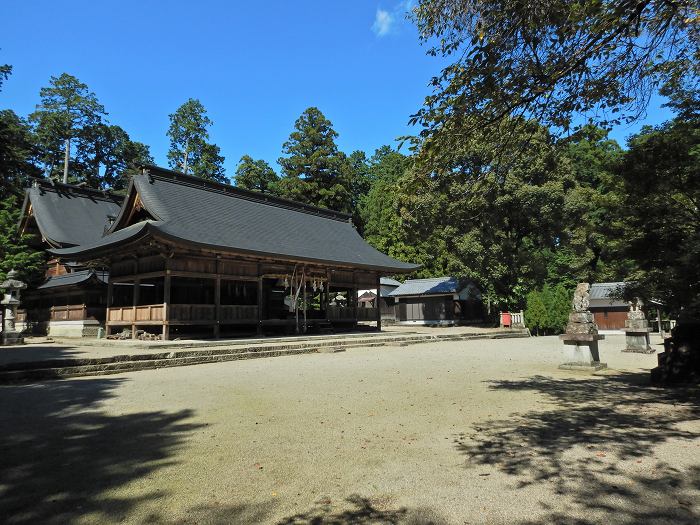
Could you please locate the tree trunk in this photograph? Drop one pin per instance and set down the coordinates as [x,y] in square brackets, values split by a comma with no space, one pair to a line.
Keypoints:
[184,164]
[66,160]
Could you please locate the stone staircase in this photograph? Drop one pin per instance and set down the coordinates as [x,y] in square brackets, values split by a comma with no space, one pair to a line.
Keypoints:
[169,355]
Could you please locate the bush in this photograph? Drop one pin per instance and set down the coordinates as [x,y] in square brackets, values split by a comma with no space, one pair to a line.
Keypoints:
[547,310]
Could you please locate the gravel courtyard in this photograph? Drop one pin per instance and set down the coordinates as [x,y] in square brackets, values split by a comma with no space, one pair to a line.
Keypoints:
[445,433]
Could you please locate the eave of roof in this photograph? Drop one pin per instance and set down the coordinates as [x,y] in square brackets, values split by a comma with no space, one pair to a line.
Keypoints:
[73,279]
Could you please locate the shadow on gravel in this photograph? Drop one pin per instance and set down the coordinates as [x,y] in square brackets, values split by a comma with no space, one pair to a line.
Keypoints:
[60,454]
[363,512]
[593,443]
[30,353]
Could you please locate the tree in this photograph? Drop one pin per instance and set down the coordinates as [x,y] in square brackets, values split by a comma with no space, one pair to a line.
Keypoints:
[590,248]
[17,150]
[662,214]
[255,175]
[189,149]
[313,166]
[552,61]
[15,252]
[380,209]
[496,225]
[535,312]
[106,156]
[67,106]
[5,71]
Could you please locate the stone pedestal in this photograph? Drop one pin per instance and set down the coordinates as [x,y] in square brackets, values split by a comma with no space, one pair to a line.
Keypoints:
[580,342]
[580,352]
[637,331]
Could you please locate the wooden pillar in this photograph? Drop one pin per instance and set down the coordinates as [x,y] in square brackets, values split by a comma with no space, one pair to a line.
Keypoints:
[378,302]
[328,291]
[260,302]
[166,305]
[135,303]
[217,303]
[110,293]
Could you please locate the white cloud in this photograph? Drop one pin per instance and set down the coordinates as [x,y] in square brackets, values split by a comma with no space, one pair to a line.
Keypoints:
[383,22]
[388,21]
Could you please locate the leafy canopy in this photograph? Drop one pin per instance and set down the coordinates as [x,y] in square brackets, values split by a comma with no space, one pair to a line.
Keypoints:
[553,61]
[255,175]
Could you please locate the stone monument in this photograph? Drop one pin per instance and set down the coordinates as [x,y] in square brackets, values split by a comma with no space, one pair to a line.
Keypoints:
[581,337]
[637,330]
[10,302]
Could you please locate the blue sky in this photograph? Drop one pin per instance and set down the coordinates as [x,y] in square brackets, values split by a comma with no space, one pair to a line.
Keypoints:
[254,65]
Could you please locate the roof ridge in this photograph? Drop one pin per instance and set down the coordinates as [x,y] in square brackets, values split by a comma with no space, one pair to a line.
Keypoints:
[256,196]
[58,186]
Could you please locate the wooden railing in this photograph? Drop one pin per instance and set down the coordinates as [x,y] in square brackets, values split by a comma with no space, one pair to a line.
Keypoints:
[231,313]
[192,312]
[181,313]
[341,313]
[131,314]
[367,314]
[74,312]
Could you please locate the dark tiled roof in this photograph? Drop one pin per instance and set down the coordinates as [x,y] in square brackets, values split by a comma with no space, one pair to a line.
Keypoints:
[226,218]
[67,215]
[74,278]
[433,286]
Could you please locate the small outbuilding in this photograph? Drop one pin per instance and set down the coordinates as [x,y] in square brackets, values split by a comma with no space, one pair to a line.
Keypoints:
[437,301]
[609,312]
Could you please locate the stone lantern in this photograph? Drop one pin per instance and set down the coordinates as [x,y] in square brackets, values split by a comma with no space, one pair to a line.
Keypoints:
[9,303]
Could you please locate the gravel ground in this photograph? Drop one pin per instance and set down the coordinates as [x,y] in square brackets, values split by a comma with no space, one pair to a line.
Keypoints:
[455,432]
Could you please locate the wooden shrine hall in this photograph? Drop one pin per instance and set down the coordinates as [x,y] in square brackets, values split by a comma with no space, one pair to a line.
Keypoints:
[189,257]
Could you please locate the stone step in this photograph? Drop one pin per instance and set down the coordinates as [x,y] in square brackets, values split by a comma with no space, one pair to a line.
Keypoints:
[75,367]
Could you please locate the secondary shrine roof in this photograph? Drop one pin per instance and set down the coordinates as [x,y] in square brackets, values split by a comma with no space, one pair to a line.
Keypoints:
[68,215]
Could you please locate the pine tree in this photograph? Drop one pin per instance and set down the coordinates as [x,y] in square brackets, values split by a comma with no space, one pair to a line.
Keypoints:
[67,107]
[313,166]
[189,150]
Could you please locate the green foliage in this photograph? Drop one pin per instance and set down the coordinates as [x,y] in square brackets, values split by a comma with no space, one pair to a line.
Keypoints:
[5,71]
[535,312]
[552,60]
[547,310]
[312,166]
[592,238]
[661,173]
[67,108]
[496,226]
[380,210]
[255,175]
[15,253]
[189,150]
[17,149]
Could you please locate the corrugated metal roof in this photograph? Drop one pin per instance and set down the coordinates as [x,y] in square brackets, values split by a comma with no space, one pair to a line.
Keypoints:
[73,278]
[601,294]
[388,281]
[225,218]
[435,285]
